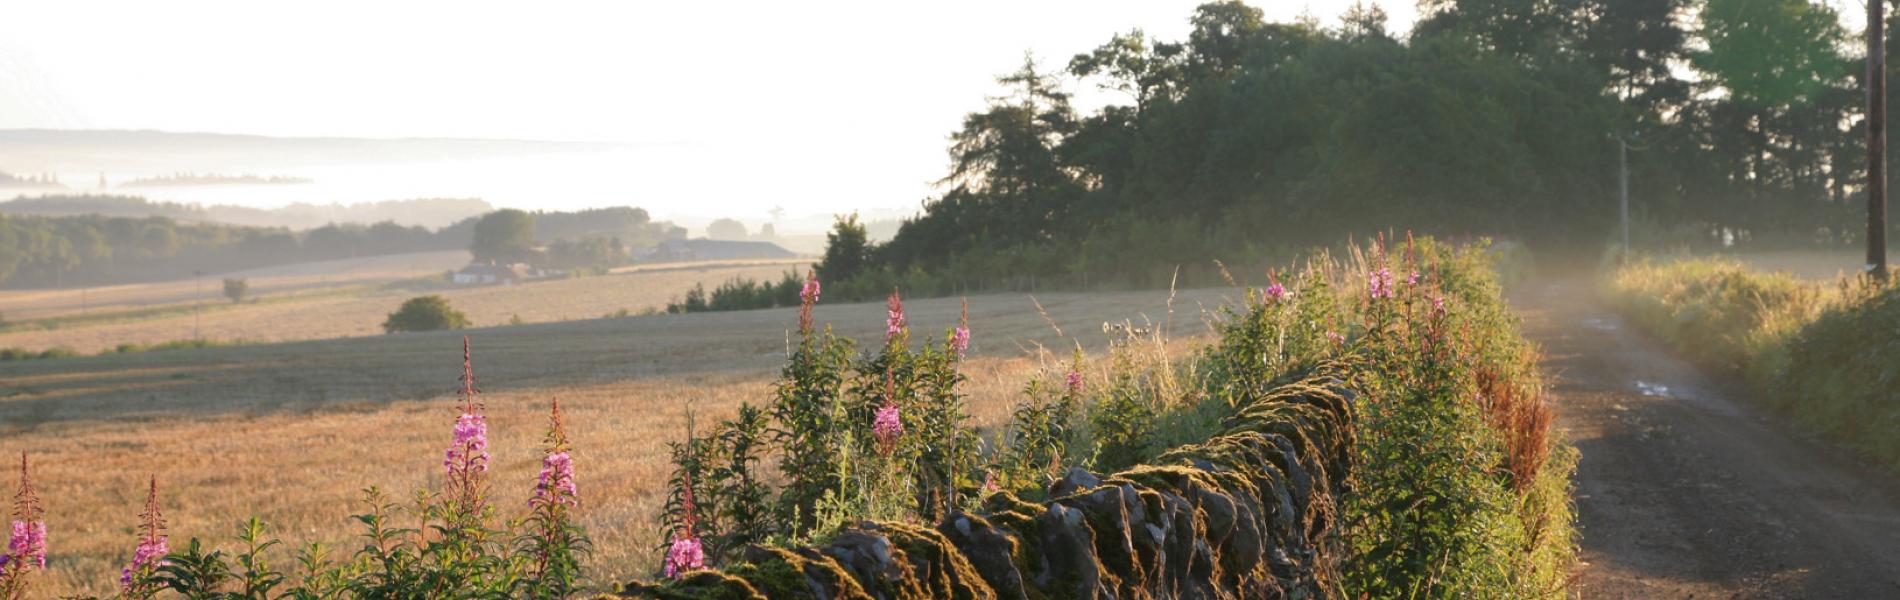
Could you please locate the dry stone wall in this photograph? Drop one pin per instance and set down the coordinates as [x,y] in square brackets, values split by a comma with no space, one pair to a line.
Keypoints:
[1250,513]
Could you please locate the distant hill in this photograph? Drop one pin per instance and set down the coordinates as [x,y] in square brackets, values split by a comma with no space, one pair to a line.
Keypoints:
[433,213]
[187,179]
[85,151]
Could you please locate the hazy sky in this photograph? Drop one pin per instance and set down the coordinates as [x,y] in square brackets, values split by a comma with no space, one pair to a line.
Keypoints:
[818,106]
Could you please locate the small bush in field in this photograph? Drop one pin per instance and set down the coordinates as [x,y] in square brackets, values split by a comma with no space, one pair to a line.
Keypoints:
[235,288]
[425,313]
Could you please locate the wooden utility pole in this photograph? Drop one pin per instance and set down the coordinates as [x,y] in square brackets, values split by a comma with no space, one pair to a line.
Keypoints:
[1623,183]
[1877,139]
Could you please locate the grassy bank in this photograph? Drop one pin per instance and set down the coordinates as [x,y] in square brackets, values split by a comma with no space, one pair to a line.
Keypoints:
[1825,354]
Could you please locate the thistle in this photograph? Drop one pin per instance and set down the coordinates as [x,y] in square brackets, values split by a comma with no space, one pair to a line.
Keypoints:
[135,580]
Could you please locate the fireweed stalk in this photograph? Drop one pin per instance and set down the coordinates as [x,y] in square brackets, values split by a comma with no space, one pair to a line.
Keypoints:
[894,323]
[136,579]
[960,337]
[554,542]
[807,297]
[466,460]
[686,554]
[26,546]
[888,427]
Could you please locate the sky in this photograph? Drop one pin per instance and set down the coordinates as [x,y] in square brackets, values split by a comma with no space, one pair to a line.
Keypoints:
[735,106]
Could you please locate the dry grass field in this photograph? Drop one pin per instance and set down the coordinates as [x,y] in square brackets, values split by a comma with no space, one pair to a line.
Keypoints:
[294,306]
[292,432]
[269,281]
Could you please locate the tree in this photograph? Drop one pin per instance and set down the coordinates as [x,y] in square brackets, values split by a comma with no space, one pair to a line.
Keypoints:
[235,288]
[505,236]
[425,313]
[1771,53]
[726,229]
[846,250]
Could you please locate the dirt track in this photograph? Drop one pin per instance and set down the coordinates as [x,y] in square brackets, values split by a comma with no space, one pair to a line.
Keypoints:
[1689,489]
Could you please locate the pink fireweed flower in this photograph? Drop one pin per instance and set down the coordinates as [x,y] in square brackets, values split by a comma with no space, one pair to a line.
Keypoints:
[26,546]
[557,480]
[960,338]
[888,426]
[469,452]
[1074,382]
[1412,279]
[809,293]
[28,543]
[685,555]
[152,548]
[807,298]
[556,486]
[1335,338]
[989,482]
[1379,283]
[1276,292]
[894,323]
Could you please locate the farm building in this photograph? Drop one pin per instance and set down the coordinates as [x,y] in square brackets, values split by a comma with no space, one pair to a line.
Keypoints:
[480,274]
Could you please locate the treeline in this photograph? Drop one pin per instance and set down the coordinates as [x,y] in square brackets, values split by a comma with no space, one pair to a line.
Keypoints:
[96,249]
[1251,139]
[190,179]
[740,293]
[427,212]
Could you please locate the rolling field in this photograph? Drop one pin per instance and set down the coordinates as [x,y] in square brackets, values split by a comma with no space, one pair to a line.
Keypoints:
[269,281]
[309,303]
[292,432]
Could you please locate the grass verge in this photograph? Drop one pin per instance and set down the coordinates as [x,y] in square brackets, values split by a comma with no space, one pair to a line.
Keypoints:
[1825,354]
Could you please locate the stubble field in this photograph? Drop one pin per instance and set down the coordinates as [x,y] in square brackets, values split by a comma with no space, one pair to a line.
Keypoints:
[293,432]
[343,299]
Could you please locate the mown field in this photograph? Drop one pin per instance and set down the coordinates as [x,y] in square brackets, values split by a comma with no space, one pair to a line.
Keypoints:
[343,299]
[292,432]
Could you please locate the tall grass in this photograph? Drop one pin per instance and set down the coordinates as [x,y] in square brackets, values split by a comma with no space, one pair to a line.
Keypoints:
[1824,353]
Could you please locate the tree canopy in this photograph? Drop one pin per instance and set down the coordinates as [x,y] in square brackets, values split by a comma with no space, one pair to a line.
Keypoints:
[1251,139]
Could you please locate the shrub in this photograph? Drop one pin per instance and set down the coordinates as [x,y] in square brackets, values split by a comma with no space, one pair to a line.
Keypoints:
[235,288]
[425,313]
[13,354]
[740,293]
